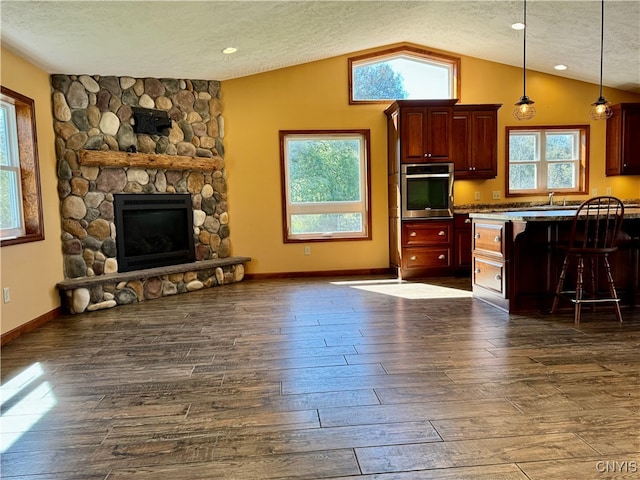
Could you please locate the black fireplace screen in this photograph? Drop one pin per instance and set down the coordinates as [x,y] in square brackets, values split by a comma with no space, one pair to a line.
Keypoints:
[153,230]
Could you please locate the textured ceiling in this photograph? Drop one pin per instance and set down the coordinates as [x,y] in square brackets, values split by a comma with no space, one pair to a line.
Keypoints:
[184,39]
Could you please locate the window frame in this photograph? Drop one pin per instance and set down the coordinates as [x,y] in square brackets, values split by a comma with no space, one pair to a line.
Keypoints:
[406,50]
[31,196]
[287,210]
[542,188]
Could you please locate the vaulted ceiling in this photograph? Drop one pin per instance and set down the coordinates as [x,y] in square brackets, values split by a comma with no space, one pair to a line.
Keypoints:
[184,39]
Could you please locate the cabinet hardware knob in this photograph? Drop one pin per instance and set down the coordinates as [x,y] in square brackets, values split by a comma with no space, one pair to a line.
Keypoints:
[441,233]
[441,257]
[413,257]
[427,155]
[497,239]
[477,270]
[413,234]
[467,220]
[498,277]
[476,236]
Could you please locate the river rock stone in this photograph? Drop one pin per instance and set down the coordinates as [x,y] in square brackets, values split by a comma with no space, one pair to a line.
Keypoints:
[101,306]
[79,186]
[111,180]
[110,265]
[74,266]
[65,130]
[126,296]
[61,110]
[74,228]
[186,149]
[109,247]
[111,84]
[138,175]
[184,101]
[77,96]
[146,144]
[176,135]
[89,83]
[72,247]
[146,101]
[153,87]
[73,207]
[198,218]
[127,82]
[99,229]
[60,82]
[153,288]
[109,123]
[81,298]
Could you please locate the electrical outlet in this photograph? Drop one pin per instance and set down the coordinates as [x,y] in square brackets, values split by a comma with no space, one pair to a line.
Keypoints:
[495,195]
[307,250]
[476,195]
[594,192]
[6,296]
[608,190]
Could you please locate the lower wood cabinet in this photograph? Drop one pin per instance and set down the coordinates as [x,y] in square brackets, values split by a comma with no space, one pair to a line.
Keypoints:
[462,244]
[426,248]
[489,274]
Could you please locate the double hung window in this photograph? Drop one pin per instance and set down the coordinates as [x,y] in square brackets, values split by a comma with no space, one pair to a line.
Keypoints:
[547,159]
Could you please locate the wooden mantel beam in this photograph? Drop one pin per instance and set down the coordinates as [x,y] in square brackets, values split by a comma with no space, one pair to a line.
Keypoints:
[113,159]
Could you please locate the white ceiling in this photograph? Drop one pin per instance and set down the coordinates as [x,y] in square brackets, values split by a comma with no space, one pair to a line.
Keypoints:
[184,39]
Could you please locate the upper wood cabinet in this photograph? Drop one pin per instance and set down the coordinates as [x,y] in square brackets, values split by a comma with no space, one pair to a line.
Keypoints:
[623,140]
[424,129]
[474,147]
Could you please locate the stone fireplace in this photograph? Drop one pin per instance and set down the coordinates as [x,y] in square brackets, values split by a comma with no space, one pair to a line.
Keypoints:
[100,154]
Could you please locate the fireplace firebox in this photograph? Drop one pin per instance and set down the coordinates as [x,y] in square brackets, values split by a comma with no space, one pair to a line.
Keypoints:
[153,230]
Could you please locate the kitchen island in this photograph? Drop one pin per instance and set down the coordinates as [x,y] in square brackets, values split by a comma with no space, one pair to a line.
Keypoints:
[517,259]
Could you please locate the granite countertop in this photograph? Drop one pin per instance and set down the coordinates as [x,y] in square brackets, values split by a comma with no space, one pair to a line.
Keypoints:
[556,214]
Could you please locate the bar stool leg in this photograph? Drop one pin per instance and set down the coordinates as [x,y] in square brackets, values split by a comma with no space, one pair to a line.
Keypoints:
[578,300]
[612,288]
[593,289]
[563,274]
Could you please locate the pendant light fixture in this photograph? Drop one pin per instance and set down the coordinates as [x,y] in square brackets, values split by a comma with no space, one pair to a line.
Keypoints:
[601,109]
[524,107]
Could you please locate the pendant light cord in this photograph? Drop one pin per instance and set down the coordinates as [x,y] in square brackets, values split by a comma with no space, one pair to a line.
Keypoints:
[601,45]
[524,52]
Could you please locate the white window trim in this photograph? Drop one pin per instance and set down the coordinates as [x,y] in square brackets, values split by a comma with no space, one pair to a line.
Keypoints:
[297,208]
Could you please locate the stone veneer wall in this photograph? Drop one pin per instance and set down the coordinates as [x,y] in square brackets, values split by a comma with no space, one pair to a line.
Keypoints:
[94,113]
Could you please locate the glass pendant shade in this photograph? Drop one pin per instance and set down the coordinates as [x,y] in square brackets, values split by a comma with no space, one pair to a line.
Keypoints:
[524,109]
[601,109]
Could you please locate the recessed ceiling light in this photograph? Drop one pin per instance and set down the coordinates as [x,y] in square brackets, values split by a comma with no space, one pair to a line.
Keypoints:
[560,67]
[229,50]
[518,26]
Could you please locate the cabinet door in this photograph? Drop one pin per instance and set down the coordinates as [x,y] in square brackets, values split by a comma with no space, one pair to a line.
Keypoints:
[425,134]
[413,135]
[462,242]
[623,141]
[460,145]
[438,147]
[631,142]
[483,141]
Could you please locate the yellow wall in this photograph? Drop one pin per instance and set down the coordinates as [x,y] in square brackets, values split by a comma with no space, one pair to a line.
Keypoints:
[31,270]
[315,96]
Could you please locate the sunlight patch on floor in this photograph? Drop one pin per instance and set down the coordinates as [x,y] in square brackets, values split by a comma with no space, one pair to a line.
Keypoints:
[408,290]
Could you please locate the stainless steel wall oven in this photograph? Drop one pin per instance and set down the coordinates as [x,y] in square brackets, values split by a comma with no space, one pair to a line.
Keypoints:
[426,190]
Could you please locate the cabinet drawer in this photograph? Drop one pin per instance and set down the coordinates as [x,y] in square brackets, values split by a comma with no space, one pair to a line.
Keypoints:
[426,233]
[489,238]
[489,274]
[426,257]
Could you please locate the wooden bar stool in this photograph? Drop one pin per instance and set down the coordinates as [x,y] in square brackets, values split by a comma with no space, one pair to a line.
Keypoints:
[594,235]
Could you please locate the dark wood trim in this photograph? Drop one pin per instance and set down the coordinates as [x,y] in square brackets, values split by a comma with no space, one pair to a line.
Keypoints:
[31,325]
[320,273]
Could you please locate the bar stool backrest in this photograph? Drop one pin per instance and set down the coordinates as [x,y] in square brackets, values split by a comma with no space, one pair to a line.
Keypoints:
[596,225]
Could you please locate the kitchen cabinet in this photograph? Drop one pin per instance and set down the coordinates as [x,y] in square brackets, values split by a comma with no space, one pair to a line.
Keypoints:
[474,147]
[423,129]
[623,140]
[426,249]
[490,259]
[462,243]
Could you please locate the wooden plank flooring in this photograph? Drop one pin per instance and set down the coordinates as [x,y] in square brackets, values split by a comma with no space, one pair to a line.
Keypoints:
[352,378]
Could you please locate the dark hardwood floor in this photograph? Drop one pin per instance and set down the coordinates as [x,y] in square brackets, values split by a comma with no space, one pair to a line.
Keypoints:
[352,378]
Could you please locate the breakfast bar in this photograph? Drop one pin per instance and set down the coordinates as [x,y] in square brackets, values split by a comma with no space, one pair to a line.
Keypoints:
[516,259]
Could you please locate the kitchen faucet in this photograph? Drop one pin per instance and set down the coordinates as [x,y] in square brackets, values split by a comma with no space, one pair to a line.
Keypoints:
[551,198]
